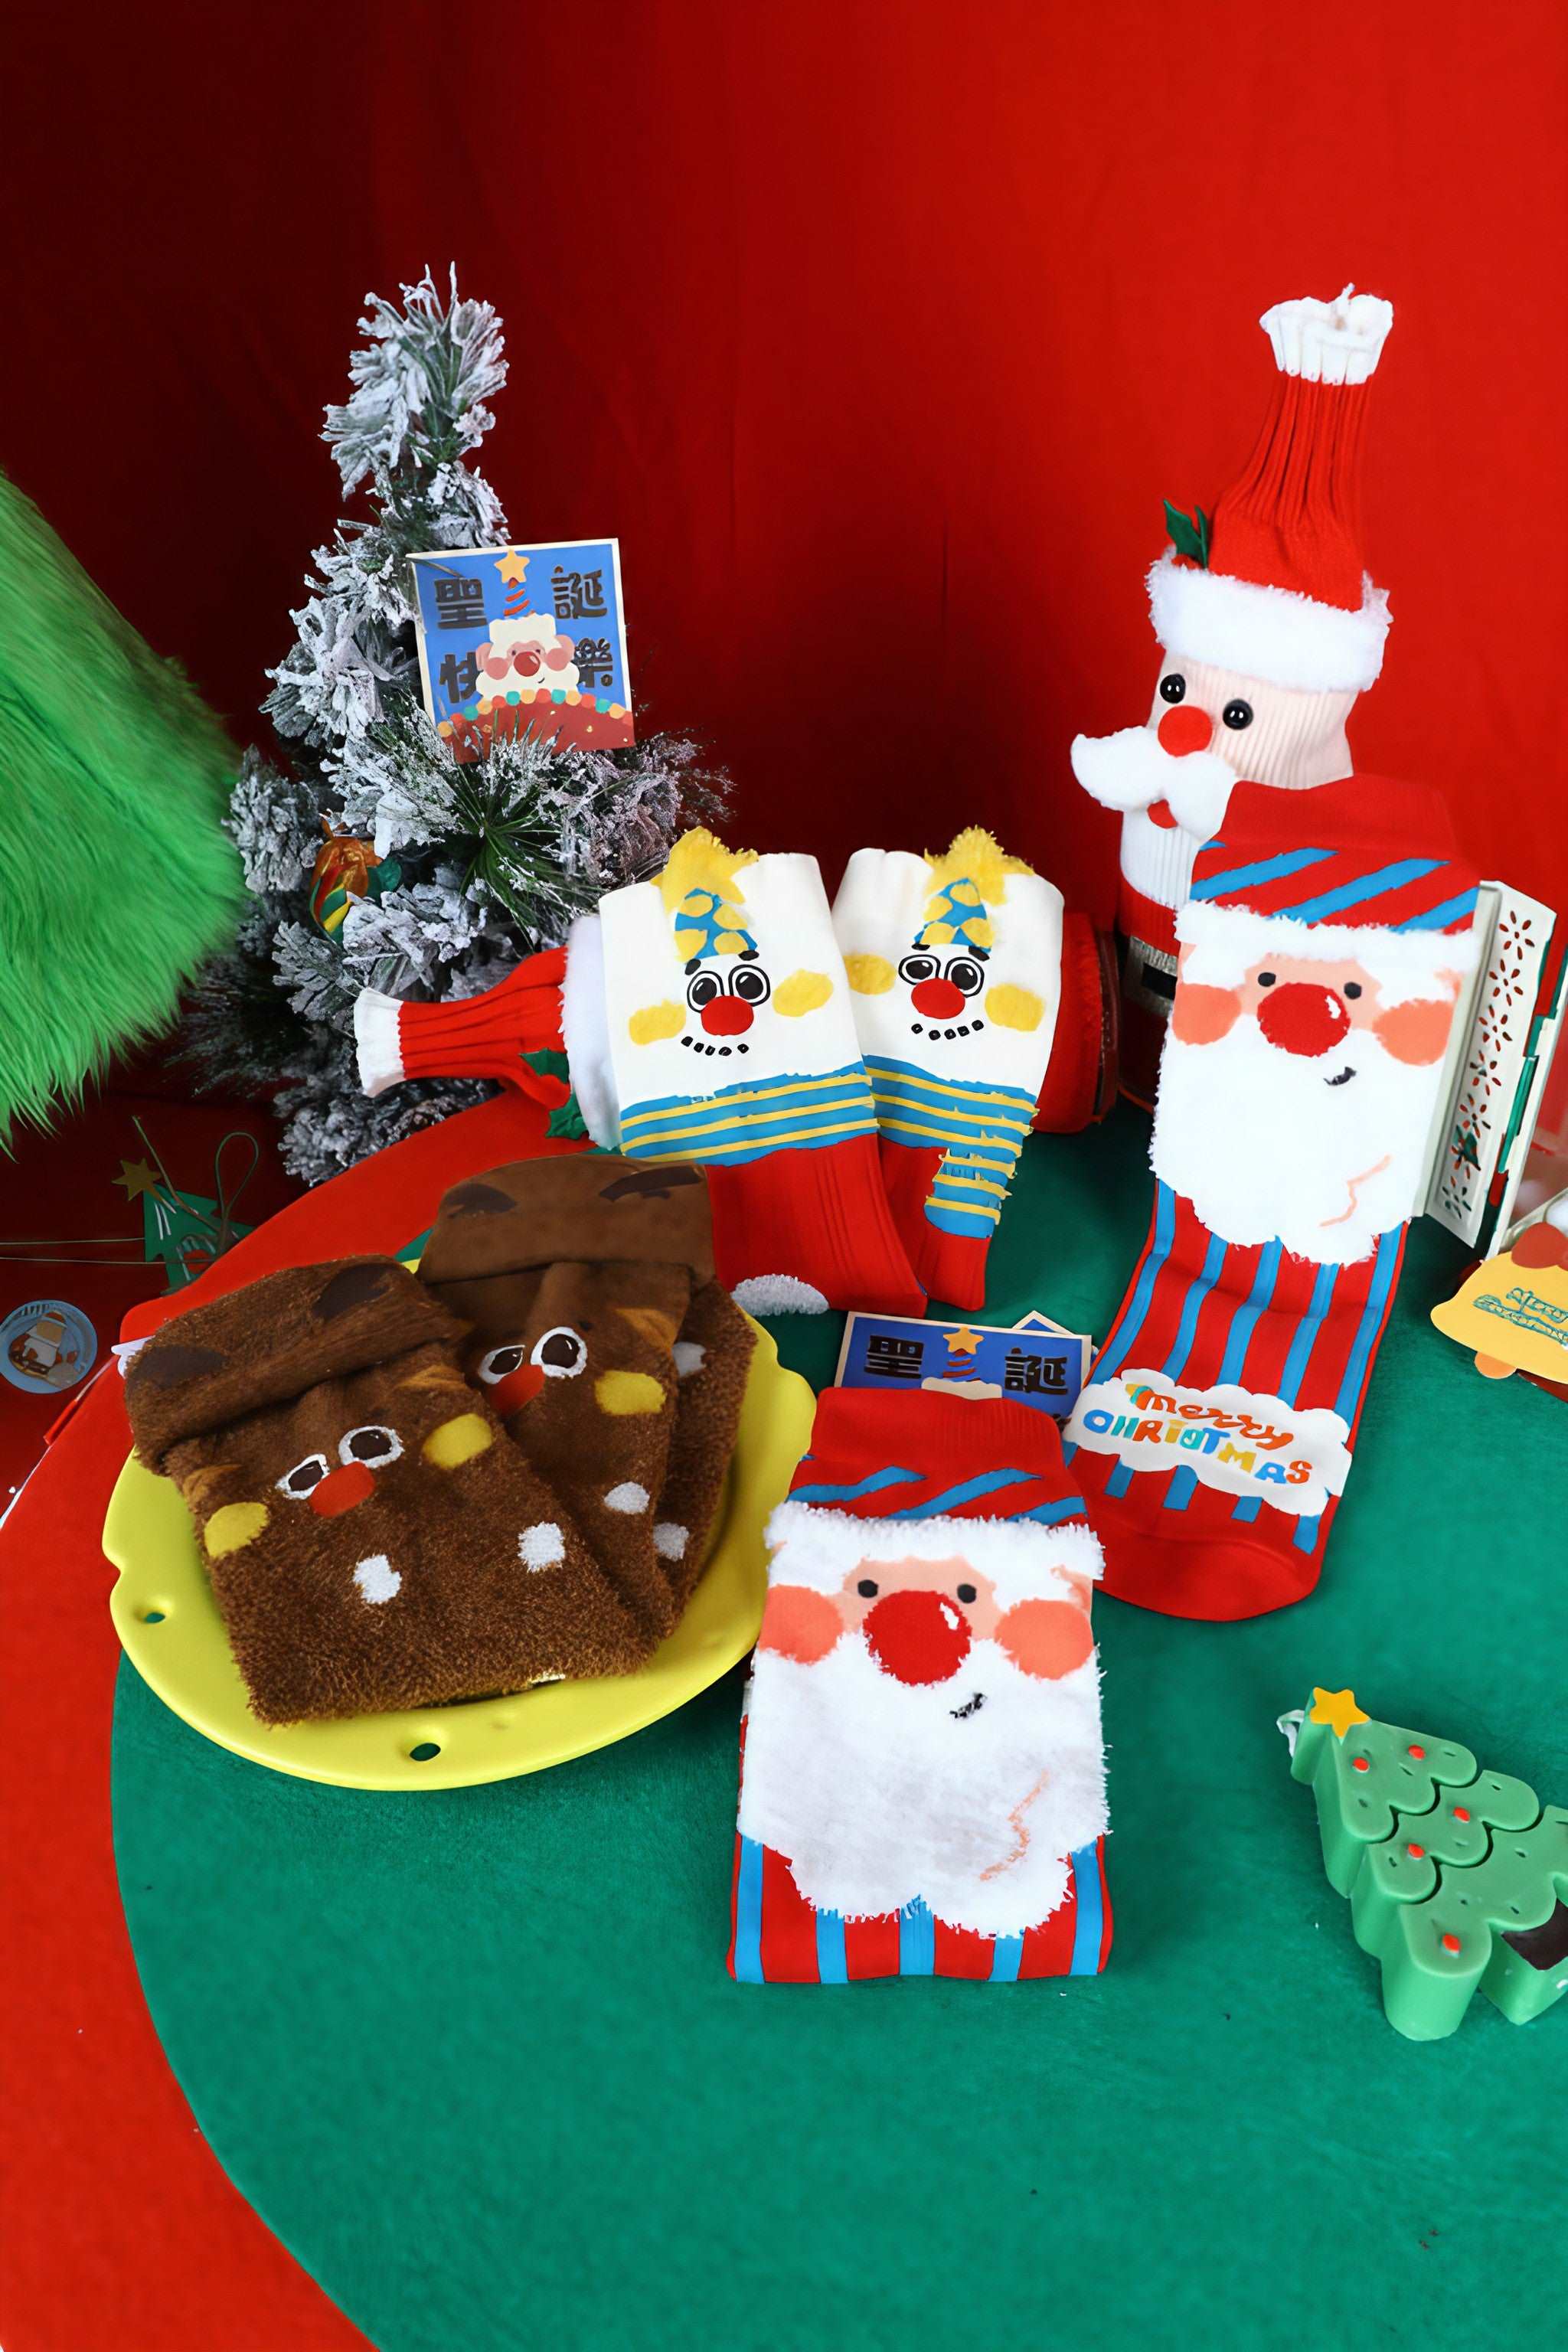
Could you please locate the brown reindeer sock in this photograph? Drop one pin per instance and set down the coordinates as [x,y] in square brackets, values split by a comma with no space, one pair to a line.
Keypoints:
[372,1539]
[712,1356]
[577,1275]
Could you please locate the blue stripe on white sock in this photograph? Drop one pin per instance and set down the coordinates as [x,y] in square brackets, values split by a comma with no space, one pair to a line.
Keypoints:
[1125,1331]
[1089,1924]
[1267,869]
[749,1914]
[1006,1960]
[832,1966]
[1367,1329]
[1198,1289]
[969,1490]
[1355,893]
[1303,1341]
[917,1941]
[1243,1323]
[871,1485]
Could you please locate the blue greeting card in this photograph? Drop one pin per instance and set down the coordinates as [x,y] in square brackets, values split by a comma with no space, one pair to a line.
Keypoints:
[1037,1362]
[524,640]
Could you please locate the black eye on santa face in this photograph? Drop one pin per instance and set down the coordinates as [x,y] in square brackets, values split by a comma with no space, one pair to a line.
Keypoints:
[967,1592]
[1238,714]
[304,1478]
[916,968]
[372,1443]
[965,975]
[702,989]
[1266,980]
[498,1363]
[1351,989]
[752,984]
[560,1354]
[1172,688]
[866,1588]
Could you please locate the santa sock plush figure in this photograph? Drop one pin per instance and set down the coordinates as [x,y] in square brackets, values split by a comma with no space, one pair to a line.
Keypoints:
[574,1276]
[1269,628]
[1323,952]
[922,1774]
[955,972]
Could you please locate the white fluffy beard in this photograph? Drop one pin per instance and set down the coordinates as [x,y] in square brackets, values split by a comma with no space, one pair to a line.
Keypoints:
[875,1794]
[1132,769]
[1265,1149]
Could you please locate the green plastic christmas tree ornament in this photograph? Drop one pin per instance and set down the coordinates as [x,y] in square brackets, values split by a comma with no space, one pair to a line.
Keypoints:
[114,776]
[1457,1876]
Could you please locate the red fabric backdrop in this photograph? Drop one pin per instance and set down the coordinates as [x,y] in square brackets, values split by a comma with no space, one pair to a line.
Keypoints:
[878,331]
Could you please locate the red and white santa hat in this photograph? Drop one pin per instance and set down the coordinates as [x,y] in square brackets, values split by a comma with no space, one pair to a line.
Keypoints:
[1363,870]
[932,1476]
[1285,595]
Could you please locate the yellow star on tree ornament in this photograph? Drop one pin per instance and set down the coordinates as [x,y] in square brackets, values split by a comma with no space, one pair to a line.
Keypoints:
[135,1178]
[1337,1709]
[512,567]
[963,1342]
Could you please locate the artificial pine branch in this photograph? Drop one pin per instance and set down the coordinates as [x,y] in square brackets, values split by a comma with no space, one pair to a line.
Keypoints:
[494,858]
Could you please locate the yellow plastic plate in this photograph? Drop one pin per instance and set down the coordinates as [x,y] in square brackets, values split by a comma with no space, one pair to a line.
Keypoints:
[169,1627]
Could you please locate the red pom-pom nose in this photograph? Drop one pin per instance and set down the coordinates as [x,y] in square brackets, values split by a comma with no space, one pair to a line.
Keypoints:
[1185,729]
[341,1489]
[918,1637]
[939,999]
[726,1016]
[516,1388]
[1302,1019]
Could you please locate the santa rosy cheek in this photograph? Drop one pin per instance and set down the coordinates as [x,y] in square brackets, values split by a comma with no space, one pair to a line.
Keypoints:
[799,1624]
[1047,1638]
[1199,1014]
[1417,1031]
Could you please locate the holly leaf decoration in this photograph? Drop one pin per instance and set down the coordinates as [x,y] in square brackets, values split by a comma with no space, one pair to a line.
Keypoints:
[1189,534]
[567,1120]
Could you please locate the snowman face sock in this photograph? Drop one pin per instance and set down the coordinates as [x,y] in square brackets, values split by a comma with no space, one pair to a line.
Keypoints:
[926,1648]
[574,1320]
[1296,1092]
[372,1539]
[954,966]
[724,1016]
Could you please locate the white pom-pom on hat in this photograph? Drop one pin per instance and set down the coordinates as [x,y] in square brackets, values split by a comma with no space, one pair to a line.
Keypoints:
[1329,343]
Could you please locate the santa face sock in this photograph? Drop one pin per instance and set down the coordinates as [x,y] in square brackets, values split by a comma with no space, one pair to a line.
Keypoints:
[925,1648]
[575,1275]
[372,1539]
[954,965]
[724,1014]
[1297,1093]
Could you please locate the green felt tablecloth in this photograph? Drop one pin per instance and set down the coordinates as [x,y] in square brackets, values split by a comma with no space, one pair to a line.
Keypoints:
[475,2058]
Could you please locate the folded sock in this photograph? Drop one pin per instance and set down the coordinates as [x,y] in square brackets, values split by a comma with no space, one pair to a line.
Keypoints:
[575,1275]
[726,1018]
[1322,952]
[923,1775]
[955,972]
[372,1539]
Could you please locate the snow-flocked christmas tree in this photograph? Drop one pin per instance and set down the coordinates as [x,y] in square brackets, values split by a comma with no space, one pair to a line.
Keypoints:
[452,873]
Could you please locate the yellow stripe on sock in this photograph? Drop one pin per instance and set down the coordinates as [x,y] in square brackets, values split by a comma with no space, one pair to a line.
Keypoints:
[744,1097]
[657,1141]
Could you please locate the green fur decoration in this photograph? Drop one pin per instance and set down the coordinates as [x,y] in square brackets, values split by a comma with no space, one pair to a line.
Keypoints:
[115,878]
